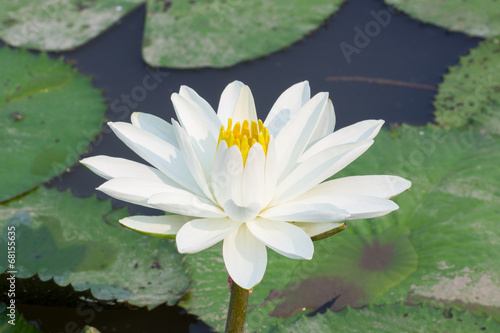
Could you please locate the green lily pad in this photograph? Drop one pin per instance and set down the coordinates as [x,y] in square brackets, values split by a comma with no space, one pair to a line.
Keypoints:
[14,322]
[187,33]
[392,318]
[452,210]
[444,235]
[219,33]
[470,91]
[58,25]
[357,267]
[353,270]
[80,242]
[48,115]
[476,17]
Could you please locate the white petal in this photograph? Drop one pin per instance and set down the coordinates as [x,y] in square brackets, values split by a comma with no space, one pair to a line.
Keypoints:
[227,174]
[155,126]
[316,212]
[271,177]
[314,229]
[244,109]
[200,234]
[114,167]
[245,257]
[293,138]
[204,109]
[326,125]
[161,154]
[136,190]
[363,130]
[282,237]
[220,178]
[241,213]
[185,203]
[362,206]
[375,186]
[253,178]
[199,127]
[285,107]
[191,159]
[358,206]
[165,226]
[317,168]
[228,101]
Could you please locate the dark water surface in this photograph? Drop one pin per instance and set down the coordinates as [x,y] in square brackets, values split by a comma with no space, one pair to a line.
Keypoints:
[390,74]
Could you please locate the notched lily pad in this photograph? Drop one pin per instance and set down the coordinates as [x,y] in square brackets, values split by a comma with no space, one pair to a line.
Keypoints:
[470,92]
[452,210]
[48,115]
[79,242]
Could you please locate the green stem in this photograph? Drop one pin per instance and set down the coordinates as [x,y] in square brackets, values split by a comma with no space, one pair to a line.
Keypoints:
[237,312]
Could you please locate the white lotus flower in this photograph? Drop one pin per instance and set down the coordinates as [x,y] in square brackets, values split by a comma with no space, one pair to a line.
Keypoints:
[228,176]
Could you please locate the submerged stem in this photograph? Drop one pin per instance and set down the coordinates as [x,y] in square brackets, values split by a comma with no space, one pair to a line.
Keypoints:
[237,312]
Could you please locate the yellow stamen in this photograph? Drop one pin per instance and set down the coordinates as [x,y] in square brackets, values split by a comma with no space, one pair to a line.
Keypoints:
[244,136]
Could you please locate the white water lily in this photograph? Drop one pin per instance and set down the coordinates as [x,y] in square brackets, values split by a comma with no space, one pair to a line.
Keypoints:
[229,176]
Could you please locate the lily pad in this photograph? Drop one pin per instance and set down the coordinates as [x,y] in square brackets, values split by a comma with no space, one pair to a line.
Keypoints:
[452,211]
[392,318]
[58,25]
[357,267]
[470,91]
[180,34]
[476,17]
[48,115]
[444,235]
[14,322]
[219,33]
[80,242]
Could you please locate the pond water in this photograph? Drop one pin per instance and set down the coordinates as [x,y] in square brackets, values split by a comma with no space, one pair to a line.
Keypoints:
[393,75]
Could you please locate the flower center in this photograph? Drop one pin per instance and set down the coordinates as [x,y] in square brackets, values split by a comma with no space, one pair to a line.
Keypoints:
[244,136]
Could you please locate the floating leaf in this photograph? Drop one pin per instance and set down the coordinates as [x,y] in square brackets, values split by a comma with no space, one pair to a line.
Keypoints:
[470,92]
[49,113]
[58,25]
[392,318]
[452,210]
[12,321]
[476,17]
[80,242]
[352,270]
[222,33]
[213,33]
[440,246]
[357,267]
